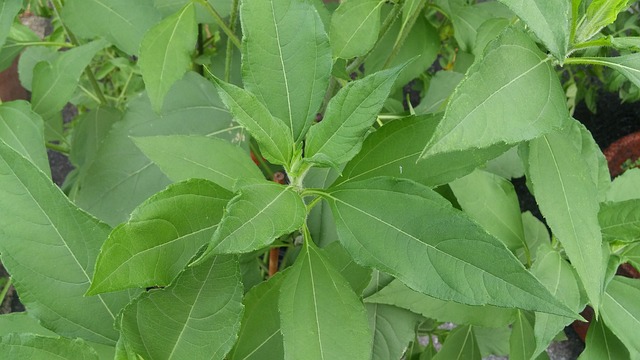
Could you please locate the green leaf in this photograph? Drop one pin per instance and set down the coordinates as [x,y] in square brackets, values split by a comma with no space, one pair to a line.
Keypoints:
[357,276]
[627,65]
[162,235]
[260,337]
[55,82]
[621,310]
[440,88]
[320,221]
[549,20]
[568,198]
[8,11]
[13,46]
[165,53]
[39,219]
[600,13]
[484,101]
[183,157]
[493,341]
[276,143]
[400,295]
[535,233]
[354,27]
[602,344]
[286,59]
[23,131]
[197,316]
[620,221]
[492,202]
[522,342]
[89,131]
[487,32]
[393,150]
[260,213]
[393,328]
[632,254]
[460,344]
[121,22]
[350,114]
[625,187]
[169,7]
[30,58]
[315,303]
[36,347]
[430,238]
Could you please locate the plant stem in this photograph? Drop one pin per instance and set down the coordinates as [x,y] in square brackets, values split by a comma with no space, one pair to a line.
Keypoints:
[221,23]
[263,164]
[44,43]
[229,54]
[5,289]
[58,148]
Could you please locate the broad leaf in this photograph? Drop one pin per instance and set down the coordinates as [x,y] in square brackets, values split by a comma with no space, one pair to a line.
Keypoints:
[165,53]
[536,233]
[13,46]
[493,341]
[568,198]
[522,342]
[440,88]
[183,157]
[30,58]
[286,59]
[320,221]
[620,221]
[549,20]
[354,27]
[8,11]
[39,219]
[315,303]
[400,295]
[430,238]
[276,143]
[36,347]
[357,276]
[122,22]
[602,344]
[23,130]
[461,344]
[169,7]
[632,254]
[487,32]
[339,136]
[627,65]
[197,316]
[260,213]
[55,82]
[89,131]
[162,235]
[600,13]
[393,328]
[625,187]
[480,112]
[621,310]
[260,337]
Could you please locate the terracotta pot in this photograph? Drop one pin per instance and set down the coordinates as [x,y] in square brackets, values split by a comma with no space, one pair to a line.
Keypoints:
[10,87]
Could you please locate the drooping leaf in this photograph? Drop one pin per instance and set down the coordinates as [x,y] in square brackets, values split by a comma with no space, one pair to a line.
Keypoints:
[398,294]
[602,344]
[286,59]
[354,27]
[8,11]
[393,150]
[274,137]
[36,347]
[599,14]
[480,112]
[357,276]
[165,53]
[89,132]
[161,236]
[55,82]
[260,337]
[23,130]
[393,328]
[122,22]
[430,237]
[197,316]
[627,65]
[183,157]
[39,219]
[549,20]
[315,303]
[461,344]
[620,221]
[260,213]
[568,198]
[625,187]
[349,115]
[621,310]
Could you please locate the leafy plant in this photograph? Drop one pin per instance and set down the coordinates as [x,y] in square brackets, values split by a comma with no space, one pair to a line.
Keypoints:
[384,222]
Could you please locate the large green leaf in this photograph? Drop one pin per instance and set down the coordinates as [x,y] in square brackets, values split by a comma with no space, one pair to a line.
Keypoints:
[627,65]
[165,52]
[621,310]
[568,198]
[198,316]
[122,22]
[393,329]
[358,277]
[436,249]
[442,84]
[169,7]
[522,342]
[492,202]
[602,344]
[274,137]
[23,130]
[393,150]
[549,20]
[599,14]
[620,221]
[183,157]
[350,114]
[398,294]
[460,345]
[320,221]
[260,213]
[286,59]
[55,82]
[39,219]
[161,236]
[8,11]
[354,27]
[316,303]
[481,112]
[36,347]
[89,131]
[13,46]
[625,187]
[260,337]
